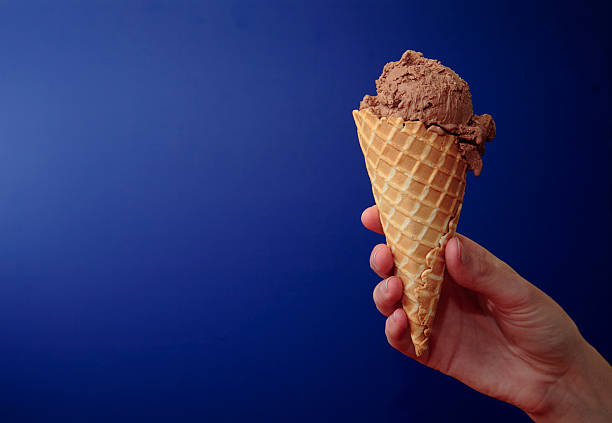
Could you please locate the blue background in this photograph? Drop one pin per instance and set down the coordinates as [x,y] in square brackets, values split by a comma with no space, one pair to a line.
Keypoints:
[181,187]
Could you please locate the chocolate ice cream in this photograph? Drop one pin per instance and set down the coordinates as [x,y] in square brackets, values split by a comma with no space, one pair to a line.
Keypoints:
[416,88]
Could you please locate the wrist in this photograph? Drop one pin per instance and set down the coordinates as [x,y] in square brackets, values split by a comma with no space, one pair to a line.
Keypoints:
[582,393]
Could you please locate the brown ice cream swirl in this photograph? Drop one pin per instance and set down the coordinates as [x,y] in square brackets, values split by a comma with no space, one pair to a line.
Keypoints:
[416,88]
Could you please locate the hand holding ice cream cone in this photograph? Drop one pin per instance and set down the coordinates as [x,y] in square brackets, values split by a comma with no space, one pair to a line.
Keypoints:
[500,335]
[450,303]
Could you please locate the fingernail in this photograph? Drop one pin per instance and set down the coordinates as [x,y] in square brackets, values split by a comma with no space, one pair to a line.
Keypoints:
[373,259]
[461,251]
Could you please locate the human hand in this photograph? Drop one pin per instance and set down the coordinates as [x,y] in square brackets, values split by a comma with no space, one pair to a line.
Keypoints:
[500,335]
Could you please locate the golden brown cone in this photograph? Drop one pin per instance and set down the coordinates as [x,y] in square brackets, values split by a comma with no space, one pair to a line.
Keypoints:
[418,181]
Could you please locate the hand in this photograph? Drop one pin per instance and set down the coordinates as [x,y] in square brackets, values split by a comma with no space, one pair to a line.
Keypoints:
[500,335]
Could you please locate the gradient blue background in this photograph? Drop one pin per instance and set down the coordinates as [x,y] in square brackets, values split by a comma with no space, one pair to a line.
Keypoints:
[181,186]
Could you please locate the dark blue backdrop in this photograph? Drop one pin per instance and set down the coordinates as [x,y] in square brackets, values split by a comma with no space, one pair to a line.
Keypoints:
[181,186]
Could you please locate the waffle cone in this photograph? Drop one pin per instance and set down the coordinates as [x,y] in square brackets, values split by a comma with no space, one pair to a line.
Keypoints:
[418,181]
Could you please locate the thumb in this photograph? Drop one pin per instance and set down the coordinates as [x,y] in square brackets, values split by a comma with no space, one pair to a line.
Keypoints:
[475,268]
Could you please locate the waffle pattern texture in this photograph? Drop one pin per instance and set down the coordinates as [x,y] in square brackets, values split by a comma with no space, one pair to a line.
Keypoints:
[418,180]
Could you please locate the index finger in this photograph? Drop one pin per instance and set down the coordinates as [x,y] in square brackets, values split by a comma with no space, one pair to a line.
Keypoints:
[371,219]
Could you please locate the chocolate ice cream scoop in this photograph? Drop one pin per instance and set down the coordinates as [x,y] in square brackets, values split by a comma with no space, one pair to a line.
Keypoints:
[416,88]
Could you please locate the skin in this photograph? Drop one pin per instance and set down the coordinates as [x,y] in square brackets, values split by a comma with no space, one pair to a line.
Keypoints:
[500,335]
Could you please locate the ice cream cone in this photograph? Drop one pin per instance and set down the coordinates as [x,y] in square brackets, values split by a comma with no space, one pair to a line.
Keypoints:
[418,181]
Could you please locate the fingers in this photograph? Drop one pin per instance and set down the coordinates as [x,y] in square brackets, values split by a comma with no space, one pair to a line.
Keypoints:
[371,219]
[387,295]
[474,268]
[398,332]
[381,260]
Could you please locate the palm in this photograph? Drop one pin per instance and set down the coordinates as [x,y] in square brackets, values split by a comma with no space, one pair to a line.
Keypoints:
[495,351]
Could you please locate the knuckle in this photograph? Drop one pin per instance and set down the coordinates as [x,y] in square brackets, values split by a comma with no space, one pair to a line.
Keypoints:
[393,342]
[374,294]
[523,293]
[373,255]
[388,334]
[378,300]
